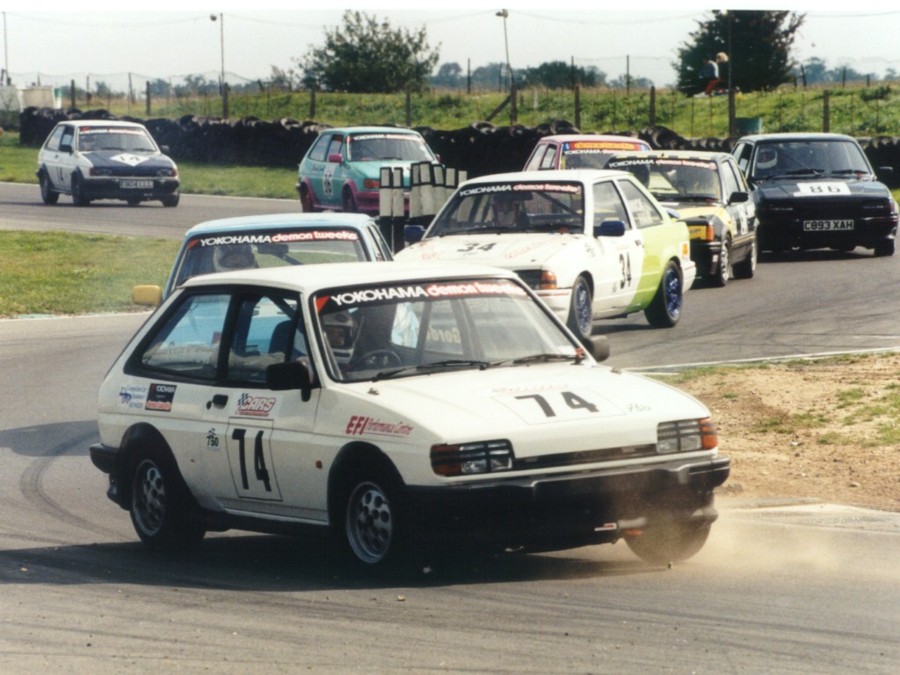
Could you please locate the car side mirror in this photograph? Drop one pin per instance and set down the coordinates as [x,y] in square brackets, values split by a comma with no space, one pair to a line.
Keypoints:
[413,233]
[65,147]
[738,197]
[146,294]
[288,376]
[334,158]
[164,149]
[610,228]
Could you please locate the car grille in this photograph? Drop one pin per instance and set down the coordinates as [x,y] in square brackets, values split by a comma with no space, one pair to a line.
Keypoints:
[583,457]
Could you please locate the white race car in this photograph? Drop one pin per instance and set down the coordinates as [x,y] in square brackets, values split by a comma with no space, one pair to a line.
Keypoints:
[592,244]
[396,405]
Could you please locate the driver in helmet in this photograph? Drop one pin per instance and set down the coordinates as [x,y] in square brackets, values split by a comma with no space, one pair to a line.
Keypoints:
[508,211]
[235,257]
[766,159]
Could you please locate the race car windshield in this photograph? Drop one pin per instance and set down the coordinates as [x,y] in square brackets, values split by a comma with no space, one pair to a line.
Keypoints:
[92,139]
[508,207]
[422,328]
[276,248]
[795,158]
[670,179]
[375,147]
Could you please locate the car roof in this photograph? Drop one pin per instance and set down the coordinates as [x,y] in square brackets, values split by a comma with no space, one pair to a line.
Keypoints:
[282,221]
[310,278]
[797,136]
[561,175]
[372,130]
[560,138]
[701,155]
[104,123]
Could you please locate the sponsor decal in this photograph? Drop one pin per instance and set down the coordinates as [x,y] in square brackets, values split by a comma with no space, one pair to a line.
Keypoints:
[662,162]
[254,406]
[212,439]
[130,159]
[591,147]
[110,130]
[822,189]
[160,397]
[279,237]
[133,396]
[570,188]
[360,425]
[416,291]
[368,137]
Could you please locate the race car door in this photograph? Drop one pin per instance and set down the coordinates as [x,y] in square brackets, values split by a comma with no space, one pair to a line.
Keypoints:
[267,434]
[621,257]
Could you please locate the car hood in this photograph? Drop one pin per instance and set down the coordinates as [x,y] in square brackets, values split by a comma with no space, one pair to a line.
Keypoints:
[541,408]
[693,209]
[117,159]
[506,249]
[823,187]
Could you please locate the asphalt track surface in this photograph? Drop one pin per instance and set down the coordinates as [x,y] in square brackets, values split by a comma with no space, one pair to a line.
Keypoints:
[799,588]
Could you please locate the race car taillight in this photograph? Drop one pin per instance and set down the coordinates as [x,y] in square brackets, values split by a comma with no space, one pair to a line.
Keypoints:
[686,436]
[466,459]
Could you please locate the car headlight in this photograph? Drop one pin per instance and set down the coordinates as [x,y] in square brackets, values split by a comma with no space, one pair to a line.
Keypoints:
[686,436]
[466,459]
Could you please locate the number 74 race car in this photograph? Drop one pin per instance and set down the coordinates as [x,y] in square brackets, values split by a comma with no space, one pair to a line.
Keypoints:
[403,408]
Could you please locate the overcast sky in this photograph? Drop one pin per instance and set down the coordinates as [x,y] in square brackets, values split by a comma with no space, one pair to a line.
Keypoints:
[106,44]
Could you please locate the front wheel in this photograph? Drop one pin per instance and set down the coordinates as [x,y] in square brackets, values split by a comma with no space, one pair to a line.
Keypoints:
[884,248]
[48,195]
[160,503]
[581,311]
[170,201]
[668,542]
[348,201]
[665,308]
[79,198]
[723,271]
[371,522]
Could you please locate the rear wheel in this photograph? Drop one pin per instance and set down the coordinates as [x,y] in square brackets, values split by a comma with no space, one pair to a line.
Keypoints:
[665,309]
[668,541]
[306,202]
[747,267]
[160,503]
[581,311]
[48,195]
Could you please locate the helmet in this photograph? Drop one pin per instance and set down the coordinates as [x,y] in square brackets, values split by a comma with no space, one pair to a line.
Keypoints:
[235,257]
[766,158]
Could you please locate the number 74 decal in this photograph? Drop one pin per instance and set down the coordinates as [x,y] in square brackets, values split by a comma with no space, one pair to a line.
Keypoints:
[250,458]
[561,405]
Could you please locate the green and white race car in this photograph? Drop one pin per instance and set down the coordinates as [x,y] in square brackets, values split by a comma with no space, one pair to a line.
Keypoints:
[592,244]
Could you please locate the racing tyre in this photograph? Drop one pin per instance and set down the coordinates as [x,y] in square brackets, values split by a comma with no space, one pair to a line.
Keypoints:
[884,248]
[348,202]
[372,527]
[306,202]
[78,196]
[723,271]
[48,195]
[161,507]
[747,267]
[170,201]
[665,309]
[581,313]
[668,542]
[133,201]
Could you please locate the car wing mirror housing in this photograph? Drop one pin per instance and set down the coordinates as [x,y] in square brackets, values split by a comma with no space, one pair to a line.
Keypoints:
[413,233]
[610,228]
[289,376]
[146,294]
[65,147]
[738,197]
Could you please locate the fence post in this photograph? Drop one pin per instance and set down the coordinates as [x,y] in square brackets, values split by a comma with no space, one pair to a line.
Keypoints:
[826,111]
[148,98]
[408,108]
[312,104]
[72,93]
[652,106]
[578,106]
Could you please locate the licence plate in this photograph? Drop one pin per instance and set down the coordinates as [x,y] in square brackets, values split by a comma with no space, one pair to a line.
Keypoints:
[136,184]
[827,225]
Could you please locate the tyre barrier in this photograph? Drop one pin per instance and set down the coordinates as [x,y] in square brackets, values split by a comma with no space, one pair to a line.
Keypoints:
[479,149]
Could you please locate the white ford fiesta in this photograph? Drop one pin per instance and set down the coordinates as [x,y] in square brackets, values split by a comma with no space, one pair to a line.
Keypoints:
[403,408]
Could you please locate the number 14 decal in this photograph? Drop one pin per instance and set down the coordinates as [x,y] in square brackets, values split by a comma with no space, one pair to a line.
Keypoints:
[260,486]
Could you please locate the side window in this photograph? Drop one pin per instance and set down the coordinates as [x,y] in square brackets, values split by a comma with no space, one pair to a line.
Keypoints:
[743,152]
[187,343]
[644,211]
[334,147]
[53,141]
[320,148]
[733,180]
[548,161]
[68,137]
[267,330]
[608,204]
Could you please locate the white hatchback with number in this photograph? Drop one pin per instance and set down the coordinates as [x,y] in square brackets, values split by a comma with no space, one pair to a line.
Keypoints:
[402,408]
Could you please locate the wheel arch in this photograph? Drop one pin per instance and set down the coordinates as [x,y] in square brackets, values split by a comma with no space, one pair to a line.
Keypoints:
[141,436]
[351,459]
